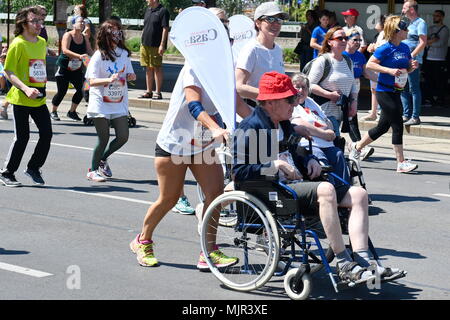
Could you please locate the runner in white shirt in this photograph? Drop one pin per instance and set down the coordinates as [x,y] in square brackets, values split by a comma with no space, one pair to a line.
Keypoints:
[186,141]
[108,72]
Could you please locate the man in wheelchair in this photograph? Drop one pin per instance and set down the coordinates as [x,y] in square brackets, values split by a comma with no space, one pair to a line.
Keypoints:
[259,151]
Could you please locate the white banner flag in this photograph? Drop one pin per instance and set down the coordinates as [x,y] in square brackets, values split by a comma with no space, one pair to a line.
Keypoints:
[203,41]
[242,30]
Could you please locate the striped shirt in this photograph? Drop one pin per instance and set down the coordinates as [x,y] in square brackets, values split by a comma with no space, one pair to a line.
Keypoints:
[339,79]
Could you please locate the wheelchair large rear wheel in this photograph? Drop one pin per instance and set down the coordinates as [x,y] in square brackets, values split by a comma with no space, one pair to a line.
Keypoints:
[257,260]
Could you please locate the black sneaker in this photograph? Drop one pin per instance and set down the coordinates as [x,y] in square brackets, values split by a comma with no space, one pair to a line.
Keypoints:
[35,175]
[9,180]
[73,115]
[54,116]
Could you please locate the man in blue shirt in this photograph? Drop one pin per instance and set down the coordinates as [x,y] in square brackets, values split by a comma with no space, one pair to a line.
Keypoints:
[416,41]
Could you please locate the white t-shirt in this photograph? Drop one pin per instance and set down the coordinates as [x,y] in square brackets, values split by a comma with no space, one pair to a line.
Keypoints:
[257,60]
[313,114]
[111,98]
[180,133]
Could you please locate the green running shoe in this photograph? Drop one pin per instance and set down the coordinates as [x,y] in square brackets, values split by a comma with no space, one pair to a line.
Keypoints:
[144,252]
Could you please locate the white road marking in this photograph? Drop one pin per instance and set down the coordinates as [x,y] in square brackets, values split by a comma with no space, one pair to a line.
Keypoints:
[23,270]
[112,197]
[442,195]
[91,149]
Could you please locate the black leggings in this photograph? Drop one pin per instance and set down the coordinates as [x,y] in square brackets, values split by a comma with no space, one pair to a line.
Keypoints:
[390,117]
[102,150]
[62,82]
[41,118]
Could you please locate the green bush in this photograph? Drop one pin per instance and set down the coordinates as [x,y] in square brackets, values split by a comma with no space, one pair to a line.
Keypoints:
[173,50]
[133,44]
[290,56]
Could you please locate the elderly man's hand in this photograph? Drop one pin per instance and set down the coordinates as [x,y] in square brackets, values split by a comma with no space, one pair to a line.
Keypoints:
[314,169]
[303,131]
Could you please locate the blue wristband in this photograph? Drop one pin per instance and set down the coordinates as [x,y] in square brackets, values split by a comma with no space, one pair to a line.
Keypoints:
[195,108]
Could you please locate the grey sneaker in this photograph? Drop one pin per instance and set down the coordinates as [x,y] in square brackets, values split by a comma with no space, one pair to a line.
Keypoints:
[73,115]
[54,116]
[412,122]
[35,175]
[104,169]
[353,153]
[9,180]
[366,152]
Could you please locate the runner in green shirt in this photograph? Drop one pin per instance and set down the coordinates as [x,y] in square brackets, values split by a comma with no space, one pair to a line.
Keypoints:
[25,68]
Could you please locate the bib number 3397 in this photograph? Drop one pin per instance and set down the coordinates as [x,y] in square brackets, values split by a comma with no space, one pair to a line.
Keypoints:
[38,72]
[113,92]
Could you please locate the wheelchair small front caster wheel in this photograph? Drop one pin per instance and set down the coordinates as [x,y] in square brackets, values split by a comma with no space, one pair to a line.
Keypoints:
[304,288]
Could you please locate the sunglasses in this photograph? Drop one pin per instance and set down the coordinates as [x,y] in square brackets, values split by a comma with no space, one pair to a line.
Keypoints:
[403,25]
[340,38]
[271,20]
[357,40]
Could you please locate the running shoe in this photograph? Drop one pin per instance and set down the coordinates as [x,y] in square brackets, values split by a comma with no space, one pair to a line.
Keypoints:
[406,166]
[95,176]
[104,169]
[219,259]
[366,152]
[54,116]
[35,175]
[144,252]
[73,115]
[183,206]
[9,180]
[353,153]
[412,122]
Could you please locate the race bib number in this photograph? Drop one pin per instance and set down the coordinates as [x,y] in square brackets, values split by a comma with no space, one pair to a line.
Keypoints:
[74,64]
[37,71]
[401,80]
[202,136]
[113,92]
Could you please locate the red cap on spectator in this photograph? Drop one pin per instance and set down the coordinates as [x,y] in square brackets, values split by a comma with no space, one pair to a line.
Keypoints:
[351,12]
[274,85]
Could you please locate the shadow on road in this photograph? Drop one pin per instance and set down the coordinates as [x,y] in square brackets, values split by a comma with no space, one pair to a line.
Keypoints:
[400,198]
[12,252]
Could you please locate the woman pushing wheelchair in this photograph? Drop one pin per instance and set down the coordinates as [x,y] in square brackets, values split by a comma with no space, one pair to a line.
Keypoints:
[268,125]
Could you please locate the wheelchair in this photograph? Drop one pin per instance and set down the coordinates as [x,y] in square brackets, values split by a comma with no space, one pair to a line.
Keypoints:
[270,236]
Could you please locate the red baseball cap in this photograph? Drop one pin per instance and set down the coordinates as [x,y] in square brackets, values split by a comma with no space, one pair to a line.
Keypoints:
[351,12]
[274,85]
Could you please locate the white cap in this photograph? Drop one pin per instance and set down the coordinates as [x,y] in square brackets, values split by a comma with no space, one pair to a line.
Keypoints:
[269,9]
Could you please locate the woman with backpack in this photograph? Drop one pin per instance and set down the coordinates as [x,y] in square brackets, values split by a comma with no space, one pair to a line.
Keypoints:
[331,76]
